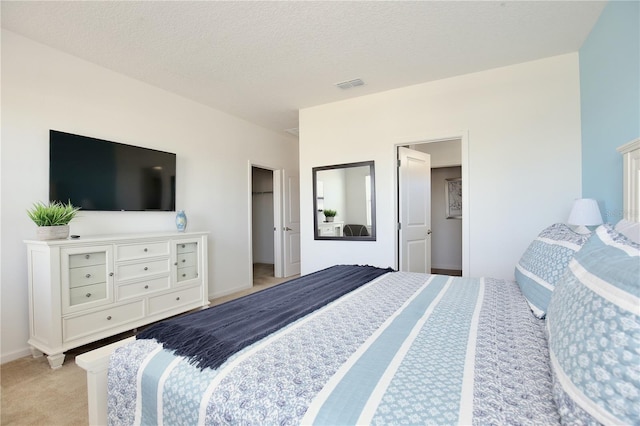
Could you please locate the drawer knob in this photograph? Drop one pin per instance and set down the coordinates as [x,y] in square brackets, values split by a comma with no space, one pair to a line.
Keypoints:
[110,274]
[146,250]
[88,295]
[183,246]
[146,269]
[109,318]
[184,275]
[87,256]
[184,260]
[175,263]
[178,298]
[88,276]
[146,286]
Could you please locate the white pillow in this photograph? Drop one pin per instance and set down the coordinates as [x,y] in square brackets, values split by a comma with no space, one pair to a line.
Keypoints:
[629,229]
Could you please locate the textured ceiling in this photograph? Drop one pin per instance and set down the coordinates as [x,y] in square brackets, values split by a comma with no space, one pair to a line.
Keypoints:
[263,61]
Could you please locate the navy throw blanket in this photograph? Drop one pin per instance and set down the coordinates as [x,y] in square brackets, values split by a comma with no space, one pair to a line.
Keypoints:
[212,335]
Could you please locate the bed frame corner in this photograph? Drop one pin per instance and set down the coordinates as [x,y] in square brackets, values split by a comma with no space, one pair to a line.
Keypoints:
[96,364]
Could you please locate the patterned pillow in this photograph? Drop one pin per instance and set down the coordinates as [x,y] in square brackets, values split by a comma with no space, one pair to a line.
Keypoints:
[544,262]
[594,333]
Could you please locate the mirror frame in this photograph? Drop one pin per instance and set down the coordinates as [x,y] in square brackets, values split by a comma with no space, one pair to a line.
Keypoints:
[315,170]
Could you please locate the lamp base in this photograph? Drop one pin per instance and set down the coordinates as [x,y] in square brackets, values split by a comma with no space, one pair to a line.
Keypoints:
[581,229]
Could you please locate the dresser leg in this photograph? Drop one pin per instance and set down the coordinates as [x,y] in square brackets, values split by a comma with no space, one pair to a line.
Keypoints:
[36,353]
[55,361]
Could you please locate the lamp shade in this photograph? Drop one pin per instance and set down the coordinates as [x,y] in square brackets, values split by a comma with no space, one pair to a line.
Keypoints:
[585,212]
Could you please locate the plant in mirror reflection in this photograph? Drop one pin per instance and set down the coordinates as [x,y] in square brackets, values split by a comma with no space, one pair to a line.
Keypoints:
[330,213]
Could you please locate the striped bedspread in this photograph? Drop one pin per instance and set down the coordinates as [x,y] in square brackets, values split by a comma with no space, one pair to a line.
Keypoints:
[403,349]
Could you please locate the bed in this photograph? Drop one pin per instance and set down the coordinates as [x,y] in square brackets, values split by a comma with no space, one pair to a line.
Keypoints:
[559,344]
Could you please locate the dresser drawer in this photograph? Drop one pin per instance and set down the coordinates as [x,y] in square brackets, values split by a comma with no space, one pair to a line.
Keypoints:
[187,247]
[142,288]
[173,300]
[142,269]
[187,273]
[140,251]
[87,259]
[330,230]
[187,259]
[87,275]
[88,324]
[87,293]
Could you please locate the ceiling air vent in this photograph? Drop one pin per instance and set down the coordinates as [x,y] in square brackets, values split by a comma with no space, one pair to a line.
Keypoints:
[351,83]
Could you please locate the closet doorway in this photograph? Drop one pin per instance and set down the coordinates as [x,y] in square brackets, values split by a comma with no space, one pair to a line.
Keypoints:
[449,235]
[263,235]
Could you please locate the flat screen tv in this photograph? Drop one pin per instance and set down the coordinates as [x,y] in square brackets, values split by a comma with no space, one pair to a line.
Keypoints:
[95,174]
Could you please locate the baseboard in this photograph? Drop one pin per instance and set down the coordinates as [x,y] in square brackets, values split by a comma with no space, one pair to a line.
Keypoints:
[21,353]
[451,267]
[452,272]
[228,292]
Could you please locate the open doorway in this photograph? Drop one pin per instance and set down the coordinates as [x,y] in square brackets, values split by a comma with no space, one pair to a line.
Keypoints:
[263,235]
[446,257]
[275,226]
[445,235]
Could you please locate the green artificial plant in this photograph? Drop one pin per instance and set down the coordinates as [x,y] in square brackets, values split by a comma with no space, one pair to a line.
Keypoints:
[330,213]
[55,213]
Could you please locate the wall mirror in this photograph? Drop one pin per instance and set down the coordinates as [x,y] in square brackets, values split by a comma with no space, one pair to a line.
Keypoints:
[344,205]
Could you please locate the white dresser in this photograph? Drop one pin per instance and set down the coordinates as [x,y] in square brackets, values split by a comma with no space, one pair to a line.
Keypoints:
[86,289]
[330,229]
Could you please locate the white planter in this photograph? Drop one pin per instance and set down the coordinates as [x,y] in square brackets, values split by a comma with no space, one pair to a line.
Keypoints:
[52,232]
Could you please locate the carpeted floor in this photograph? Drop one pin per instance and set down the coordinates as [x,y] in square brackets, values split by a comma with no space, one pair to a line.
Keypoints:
[31,393]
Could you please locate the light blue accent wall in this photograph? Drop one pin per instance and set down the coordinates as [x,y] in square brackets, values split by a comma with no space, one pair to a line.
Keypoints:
[610,102]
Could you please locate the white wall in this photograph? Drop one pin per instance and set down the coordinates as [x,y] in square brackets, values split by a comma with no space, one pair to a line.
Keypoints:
[523,129]
[44,89]
[356,195]
[334,193]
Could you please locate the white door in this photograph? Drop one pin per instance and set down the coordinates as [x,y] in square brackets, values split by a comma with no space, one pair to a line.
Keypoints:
[414,180]
[291,222]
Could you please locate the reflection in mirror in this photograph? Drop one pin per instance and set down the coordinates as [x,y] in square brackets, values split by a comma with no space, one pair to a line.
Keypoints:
[344,206]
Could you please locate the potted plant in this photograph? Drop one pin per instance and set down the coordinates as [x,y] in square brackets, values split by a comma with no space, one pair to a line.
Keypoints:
[52,219]
[329,215]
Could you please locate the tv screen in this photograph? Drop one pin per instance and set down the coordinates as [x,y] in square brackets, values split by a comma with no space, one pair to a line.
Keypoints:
[95,174]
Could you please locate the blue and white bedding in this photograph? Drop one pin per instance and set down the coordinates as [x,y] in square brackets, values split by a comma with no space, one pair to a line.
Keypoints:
[209,337]
[405,348]
[594,333]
